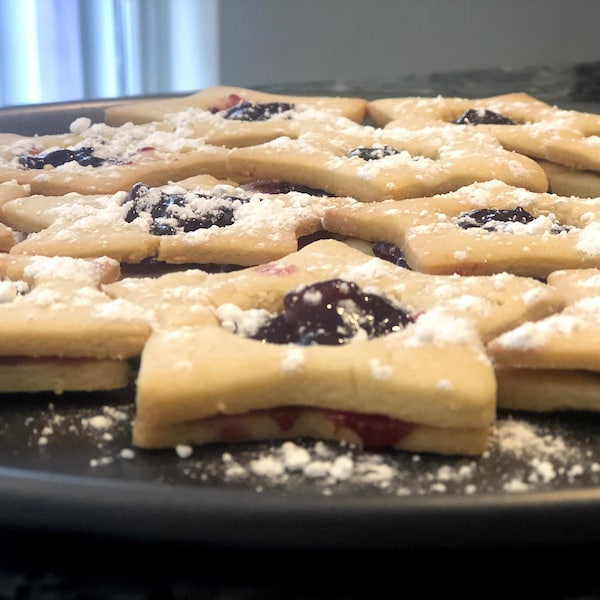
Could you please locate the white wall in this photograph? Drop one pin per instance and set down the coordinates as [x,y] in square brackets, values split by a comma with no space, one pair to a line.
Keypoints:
[276,41]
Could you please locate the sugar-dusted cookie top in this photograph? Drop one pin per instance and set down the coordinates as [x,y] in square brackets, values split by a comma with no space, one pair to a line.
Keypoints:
[519,121]
[370,164]
[54,307]
[566,340]
[479,229]
[238,106]
[491,304]
[198,220]
[97,158]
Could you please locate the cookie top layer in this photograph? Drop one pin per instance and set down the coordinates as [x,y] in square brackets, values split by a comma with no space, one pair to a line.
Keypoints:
[371,165]
[53,307]
[565,340]
[518,121]
[198,220]
[220,100]
[482,228]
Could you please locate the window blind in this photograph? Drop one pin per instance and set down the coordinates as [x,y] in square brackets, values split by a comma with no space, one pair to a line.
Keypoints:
[60,50]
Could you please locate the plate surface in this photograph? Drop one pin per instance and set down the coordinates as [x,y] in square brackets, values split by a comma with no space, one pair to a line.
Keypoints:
[67,465]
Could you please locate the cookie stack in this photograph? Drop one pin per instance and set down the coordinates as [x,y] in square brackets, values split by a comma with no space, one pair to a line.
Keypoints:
[385,273]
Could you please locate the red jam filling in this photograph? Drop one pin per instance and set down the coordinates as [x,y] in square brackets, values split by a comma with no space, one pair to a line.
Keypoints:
[374,431]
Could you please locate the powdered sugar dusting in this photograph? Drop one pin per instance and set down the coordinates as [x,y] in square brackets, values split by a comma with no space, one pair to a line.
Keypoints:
[523,455]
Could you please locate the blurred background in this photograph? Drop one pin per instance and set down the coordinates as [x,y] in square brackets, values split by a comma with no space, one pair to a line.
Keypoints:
[61,50]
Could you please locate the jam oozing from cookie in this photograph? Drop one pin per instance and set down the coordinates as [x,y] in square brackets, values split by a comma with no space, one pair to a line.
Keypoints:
[373,153]
[491,218]
[82,156]
[481,116]
[332,312]
[390,252]
[173,213]
[256,111]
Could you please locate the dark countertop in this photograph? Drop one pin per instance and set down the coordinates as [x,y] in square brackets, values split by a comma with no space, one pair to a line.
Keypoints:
[66,565]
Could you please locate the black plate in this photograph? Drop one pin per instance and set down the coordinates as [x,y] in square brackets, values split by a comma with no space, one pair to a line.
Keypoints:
[66,465]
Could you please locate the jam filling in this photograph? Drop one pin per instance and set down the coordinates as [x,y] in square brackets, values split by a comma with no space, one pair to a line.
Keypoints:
[490,219]
[332,312]
[376,432]
[373,153]
[173,213]
[82,156]
[390,252]
[256,111]
[281,187]
[151,267]
[480,116]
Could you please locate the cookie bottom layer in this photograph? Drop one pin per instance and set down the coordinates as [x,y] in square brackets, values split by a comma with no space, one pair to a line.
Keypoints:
[370,431]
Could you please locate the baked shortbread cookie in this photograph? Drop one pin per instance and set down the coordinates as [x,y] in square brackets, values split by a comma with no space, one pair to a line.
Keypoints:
[294,379]
[239,112]
[480,229]
[491,304]
[554,363]
[53,307]
[199,220]
[346,159]
[59,332]
[566,181]
[99,159]
[518,121]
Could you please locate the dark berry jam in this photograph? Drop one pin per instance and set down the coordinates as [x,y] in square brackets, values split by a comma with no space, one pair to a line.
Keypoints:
[151,267]
[375,431]
[487,218]
[256,111]
[390,252]
[281,187]
[332,312]
[173,213]
[490,218]
[83,156]
[373,153]
[305,240]
[480,116]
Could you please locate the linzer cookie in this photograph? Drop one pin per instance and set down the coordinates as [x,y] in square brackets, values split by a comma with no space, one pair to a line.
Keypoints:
[238,117]
[352,328]
[373,164]
[483,228]
[519,122]
[98,159]
[491,304]
[56,325]
[554,363]
[199,220]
